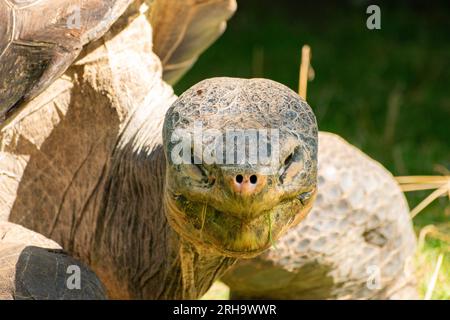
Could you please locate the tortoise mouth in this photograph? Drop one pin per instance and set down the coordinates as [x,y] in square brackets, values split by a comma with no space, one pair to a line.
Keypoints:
[230,235]
[244,216]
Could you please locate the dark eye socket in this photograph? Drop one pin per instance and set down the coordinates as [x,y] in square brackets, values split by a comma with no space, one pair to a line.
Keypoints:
[288,170]
[288,160]
[197,166]
[293,156]
[202,170]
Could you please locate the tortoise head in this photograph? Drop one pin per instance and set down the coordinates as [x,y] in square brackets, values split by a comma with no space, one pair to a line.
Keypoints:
[241,164]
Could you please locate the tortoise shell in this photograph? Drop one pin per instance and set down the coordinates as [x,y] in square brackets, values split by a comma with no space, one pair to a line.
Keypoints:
[39,40]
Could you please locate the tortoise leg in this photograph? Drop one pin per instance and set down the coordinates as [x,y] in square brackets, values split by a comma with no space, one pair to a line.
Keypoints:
[33,267]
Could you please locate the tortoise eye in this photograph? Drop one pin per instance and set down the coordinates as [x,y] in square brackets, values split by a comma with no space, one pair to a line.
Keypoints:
[195,169]
[292,165]
[194,172]
[294,156]
[288,160]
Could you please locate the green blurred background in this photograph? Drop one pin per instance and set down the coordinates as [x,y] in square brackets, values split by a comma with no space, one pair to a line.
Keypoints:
[386,91]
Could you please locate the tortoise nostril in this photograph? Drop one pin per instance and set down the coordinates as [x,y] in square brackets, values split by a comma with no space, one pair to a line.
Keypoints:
[246,185]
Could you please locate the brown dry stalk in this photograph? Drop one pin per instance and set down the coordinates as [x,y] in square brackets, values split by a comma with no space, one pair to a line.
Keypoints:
[304,71]
[440,184]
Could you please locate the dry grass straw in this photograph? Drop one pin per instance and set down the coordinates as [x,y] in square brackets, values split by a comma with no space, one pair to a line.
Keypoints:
[305,71]
[440,185]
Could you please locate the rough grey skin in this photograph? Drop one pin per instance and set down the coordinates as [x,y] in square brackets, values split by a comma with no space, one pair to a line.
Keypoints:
[357,242]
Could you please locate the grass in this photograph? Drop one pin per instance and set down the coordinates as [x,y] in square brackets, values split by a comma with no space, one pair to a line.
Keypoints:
[385,91]
[426,259]
[434,240]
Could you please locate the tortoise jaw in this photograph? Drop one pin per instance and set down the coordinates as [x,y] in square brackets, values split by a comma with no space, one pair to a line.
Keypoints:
[230,235]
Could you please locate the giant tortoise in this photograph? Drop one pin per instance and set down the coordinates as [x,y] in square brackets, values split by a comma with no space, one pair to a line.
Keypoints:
[90,145]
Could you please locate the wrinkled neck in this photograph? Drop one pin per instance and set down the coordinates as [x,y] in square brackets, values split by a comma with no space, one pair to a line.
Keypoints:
[199,269]
[195,271]
[137,254]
